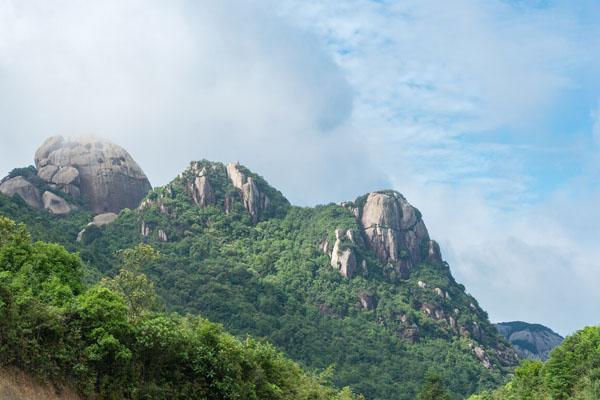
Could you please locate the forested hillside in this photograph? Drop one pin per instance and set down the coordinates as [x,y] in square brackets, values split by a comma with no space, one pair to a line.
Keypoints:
[309,280]
[111,340]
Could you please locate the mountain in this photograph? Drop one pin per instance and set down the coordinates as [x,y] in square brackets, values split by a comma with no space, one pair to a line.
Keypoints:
[531,341]
[95,174]
[571,372]
[358,286]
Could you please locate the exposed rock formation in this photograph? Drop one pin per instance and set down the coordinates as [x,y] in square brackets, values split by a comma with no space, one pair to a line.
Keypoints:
[367,301]
[531,341]
[19,185]
[55,204]
[202,191]
[394,230]
[343,259]
[98,221]
[99,171]
[253,199]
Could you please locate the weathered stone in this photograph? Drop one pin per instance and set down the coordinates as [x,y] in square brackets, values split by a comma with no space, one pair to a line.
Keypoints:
[98,170]
[253,199]
[66,176]
[482,356]
[202,192]
[55,204]
[162,236]
[434,255]
[367,301]
[343,260]
[145,230]
[104,219]
[532,341]
[394,230]
[47,172]
[98,221]
[26,190]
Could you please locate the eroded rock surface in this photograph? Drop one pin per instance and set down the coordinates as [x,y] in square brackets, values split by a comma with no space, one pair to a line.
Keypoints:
[253,199]
[394,230]
[19,185]
[531,341]
[99,171]
[55,204]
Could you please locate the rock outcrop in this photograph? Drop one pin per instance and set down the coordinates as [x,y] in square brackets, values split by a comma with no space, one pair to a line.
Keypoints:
[55,204]
[395,231]
[532,341]
[98,221]
[99,171]
[26,190]
[253,199]
[343,258]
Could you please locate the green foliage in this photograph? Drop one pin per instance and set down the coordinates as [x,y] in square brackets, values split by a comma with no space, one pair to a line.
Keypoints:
[269,279]
[571,372]
[433,389]
[87,339]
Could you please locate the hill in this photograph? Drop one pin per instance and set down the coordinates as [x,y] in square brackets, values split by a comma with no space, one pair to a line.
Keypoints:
[358,286]
[531,341]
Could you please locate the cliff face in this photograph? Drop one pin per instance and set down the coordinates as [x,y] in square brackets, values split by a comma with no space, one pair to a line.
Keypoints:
[532,341]
[390,227]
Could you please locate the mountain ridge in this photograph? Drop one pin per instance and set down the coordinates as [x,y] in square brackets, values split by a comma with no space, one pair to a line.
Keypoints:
[331,284]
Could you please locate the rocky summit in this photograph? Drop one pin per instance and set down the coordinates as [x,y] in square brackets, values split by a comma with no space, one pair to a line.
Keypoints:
[531,341]
[93,173]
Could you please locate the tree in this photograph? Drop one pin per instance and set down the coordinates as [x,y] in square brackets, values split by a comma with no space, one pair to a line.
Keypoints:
[433,389]
[136,288]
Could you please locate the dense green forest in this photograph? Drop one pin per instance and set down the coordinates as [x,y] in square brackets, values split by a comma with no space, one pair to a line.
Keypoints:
[571,372]
[266,277]
[111,341]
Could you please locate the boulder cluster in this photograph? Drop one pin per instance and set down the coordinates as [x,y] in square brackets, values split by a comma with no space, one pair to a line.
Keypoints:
[392,228]
[98,174]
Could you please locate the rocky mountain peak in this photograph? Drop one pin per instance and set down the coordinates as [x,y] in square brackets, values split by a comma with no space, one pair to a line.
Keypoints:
[532,341]
[97,170]
[390,227]
[395,231]
[254,200]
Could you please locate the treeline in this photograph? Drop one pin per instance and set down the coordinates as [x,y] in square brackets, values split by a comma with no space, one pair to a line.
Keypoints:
[112,341]
[572,372]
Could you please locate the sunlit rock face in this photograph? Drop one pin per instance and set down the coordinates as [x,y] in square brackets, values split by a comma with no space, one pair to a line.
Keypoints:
[102,173]
[253,199]
[395,231]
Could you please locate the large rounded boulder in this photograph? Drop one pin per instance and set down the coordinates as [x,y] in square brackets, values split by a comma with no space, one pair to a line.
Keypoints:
[103,174]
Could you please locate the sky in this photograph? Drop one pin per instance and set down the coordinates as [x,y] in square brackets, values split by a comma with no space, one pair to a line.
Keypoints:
[484,114]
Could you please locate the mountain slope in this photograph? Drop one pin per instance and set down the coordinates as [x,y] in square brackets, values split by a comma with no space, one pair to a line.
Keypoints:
[110,341]
[531,341]
[359,286]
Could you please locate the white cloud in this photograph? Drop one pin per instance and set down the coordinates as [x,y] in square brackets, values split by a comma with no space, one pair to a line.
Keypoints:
[179,81]
[329,100]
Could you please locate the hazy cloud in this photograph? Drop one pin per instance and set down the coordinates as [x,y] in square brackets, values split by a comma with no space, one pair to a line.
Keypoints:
[448,102]
[178,81]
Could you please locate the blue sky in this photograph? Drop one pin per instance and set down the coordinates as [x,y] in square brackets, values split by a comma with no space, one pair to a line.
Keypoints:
[485,114]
